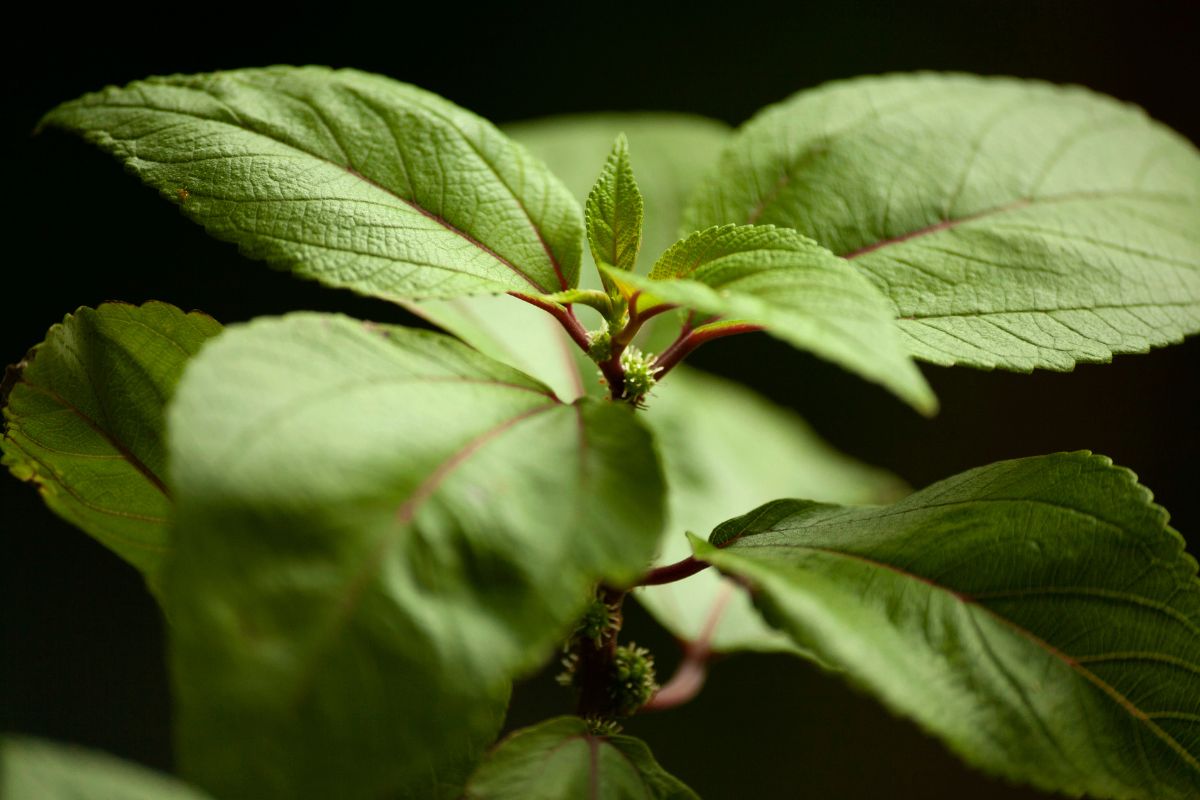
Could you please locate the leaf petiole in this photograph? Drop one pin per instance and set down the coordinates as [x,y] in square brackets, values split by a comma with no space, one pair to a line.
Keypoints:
[690,339]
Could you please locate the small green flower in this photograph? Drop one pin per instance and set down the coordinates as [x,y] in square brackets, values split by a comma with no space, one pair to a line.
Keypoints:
[600,344]
[634,680]
[599,622]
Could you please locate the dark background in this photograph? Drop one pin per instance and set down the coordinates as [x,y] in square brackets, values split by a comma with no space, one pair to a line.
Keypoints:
[80,642]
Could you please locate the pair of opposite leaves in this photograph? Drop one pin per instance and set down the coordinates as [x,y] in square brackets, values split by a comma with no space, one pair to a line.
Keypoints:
[957,253]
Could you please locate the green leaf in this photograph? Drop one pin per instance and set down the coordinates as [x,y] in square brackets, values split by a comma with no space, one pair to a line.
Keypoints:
[613,214]
[348,178]
[561,758]
[794,288]
[31,769]
[673,150]
[1013,224]
[1038,615]
[377,528]
[726,448]
[84,422]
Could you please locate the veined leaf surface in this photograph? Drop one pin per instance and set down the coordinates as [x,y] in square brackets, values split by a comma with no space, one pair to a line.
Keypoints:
[1038,615]
[378,528]
[613,214]
[1013,224]
[345,177]
[84,421]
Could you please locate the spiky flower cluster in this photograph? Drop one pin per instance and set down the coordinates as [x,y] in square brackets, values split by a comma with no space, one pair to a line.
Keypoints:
[600,344]
[639,371]
[634,681]
[602,726]
[599,622]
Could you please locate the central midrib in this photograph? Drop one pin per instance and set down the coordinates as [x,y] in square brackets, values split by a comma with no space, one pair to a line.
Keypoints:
[404,515]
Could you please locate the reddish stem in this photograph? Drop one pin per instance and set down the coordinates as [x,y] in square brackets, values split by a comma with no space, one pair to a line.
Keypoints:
[691,673]
[614,375]
[637,319]
[673,572]
[690,340]
[594,670]
[564,315]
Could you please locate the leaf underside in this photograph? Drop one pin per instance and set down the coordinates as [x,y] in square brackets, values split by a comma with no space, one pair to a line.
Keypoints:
[84,421]
[377,529]
[1013,224]
[560,758]
[1038,615]
[349,178]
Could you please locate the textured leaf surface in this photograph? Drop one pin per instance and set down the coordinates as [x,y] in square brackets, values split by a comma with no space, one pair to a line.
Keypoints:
[353,179]
[375,526]
[797,290]
[725,449]
[31,769]
[559,758]
[613,213]
[1013,224]
[1039,615]
[84,420]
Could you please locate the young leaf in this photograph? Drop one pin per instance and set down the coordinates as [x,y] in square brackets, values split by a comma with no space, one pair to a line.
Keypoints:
[375,526]
[726,448]
[352,179]
[31,769]
[1038,615]
[673,151]
[562,758]
[1013,224]
[794,288]
[83,417]
[613,215]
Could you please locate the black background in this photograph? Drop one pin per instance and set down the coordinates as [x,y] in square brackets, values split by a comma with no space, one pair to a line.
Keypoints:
[81,640]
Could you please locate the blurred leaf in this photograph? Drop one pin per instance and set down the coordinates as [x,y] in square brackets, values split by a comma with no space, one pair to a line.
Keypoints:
[31,769]
[726,448]
[377,528]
